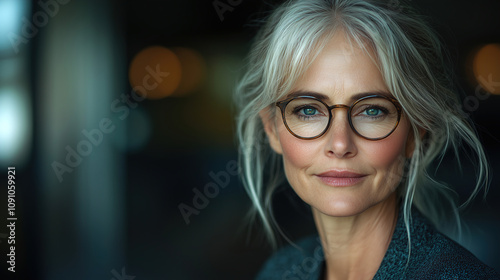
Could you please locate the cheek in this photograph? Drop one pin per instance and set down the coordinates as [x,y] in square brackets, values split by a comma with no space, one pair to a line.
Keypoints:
[387,156]
[386,153]
[296,152]
[298,156]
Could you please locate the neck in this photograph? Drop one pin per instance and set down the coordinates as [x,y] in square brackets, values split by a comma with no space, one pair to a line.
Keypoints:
[355,246]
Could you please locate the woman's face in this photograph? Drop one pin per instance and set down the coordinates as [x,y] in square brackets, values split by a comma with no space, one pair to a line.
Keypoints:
[341,174]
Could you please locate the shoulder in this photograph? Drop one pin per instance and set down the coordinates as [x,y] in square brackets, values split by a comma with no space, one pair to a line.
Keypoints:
[439,257]
[432,255]
[447,259]
[303,261]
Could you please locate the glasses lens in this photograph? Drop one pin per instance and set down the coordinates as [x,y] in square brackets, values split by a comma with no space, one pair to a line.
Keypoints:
[374,117]
[306,117]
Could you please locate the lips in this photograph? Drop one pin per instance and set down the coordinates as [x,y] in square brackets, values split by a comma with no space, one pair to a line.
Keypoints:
[337,178]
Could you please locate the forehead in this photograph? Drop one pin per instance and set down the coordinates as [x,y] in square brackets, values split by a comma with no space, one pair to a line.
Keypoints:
[343,69]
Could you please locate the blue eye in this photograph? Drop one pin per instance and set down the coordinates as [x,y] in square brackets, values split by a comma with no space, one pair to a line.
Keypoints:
[373,112]
[309,111]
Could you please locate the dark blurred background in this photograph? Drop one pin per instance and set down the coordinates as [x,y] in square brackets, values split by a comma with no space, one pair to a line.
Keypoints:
[103,176]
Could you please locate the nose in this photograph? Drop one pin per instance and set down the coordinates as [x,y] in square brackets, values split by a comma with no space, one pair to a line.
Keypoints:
[340,136]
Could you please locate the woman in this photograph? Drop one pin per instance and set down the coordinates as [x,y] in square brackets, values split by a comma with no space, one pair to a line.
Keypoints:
[355,102]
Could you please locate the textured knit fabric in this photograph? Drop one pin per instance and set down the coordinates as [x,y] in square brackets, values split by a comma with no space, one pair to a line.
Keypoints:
[433,256]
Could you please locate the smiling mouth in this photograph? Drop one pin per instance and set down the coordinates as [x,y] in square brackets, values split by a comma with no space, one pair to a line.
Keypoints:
[341,178]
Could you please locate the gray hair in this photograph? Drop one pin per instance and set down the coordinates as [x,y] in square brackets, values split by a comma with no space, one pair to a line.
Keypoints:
[413,65]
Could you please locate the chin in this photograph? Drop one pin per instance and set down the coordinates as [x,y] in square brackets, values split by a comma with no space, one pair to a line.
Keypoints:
[341,207]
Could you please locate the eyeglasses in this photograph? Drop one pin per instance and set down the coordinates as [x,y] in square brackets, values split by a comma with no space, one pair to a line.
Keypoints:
[372,117]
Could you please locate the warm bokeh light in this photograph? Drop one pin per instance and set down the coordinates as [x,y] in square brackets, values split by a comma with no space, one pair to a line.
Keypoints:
[193,70]
[155,72]
[486,68]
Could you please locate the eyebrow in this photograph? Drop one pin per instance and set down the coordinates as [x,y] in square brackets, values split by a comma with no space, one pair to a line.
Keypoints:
[324,97]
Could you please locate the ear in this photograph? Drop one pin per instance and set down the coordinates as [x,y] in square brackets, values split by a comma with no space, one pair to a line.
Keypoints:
[410,142]
[269,123]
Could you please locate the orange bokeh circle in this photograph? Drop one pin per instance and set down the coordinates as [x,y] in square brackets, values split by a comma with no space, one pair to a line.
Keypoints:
[486,68]
[155,72]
